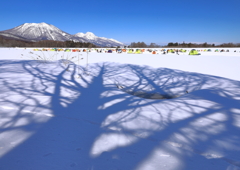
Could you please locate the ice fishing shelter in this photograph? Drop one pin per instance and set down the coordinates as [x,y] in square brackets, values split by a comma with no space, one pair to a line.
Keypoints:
[194,52]
[150,50]
[119,50]
[183,51]
[75,50]
[138,51]
[130,51]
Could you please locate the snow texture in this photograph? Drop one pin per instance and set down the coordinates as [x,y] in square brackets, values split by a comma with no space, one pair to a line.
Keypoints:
[56,116]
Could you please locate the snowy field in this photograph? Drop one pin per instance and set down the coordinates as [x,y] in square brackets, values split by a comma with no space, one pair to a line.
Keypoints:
[62,116]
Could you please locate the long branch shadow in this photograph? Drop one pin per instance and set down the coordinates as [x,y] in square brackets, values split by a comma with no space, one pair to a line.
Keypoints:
[88,123]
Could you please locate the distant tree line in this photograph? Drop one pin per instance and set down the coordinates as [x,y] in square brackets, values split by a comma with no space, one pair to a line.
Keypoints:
[143,45]
[179,45]
[5,42]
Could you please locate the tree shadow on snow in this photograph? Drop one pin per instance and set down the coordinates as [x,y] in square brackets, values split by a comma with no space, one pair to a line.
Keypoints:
[53,120]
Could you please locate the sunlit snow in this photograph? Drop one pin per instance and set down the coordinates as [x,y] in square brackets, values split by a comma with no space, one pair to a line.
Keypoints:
[88,116]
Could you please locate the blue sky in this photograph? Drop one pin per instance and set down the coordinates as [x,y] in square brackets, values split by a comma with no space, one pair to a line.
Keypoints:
[158,21]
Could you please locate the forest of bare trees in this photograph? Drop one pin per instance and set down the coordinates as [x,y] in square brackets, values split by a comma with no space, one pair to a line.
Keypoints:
[181,45]
[6,42]
[187,45]
[143,45]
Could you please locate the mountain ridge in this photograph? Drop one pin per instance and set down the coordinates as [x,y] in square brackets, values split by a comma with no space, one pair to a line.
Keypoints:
[44,31]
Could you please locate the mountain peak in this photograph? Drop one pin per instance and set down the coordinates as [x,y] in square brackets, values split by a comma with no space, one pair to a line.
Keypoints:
[32,26]
[80,34]
[44,31]
[43,23]
[35,24]
[90,35]
[39,31]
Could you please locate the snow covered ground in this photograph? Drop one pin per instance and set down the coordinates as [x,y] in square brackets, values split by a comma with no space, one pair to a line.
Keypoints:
[57,116]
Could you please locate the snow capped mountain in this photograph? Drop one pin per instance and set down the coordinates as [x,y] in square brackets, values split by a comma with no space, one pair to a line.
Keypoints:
[80,34]
[100,41]
[11,36]
[90,36]
[41,31]
[44,31]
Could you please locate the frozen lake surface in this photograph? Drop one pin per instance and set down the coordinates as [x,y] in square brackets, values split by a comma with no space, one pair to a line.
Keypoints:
[93,115]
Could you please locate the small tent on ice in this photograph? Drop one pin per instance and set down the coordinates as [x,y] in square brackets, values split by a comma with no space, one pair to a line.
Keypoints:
[138,51]
[67,50]
[53,49]
[119,50]
[130,51]
[194,52]
[183,51]
[75,50]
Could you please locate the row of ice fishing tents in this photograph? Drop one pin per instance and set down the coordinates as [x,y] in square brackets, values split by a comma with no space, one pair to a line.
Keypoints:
[196,52]
[191,52]
[216,50]
[138,51]
[57,49]
[72,50]
[60,49]
[154,51]
[129,51]
[134,51]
